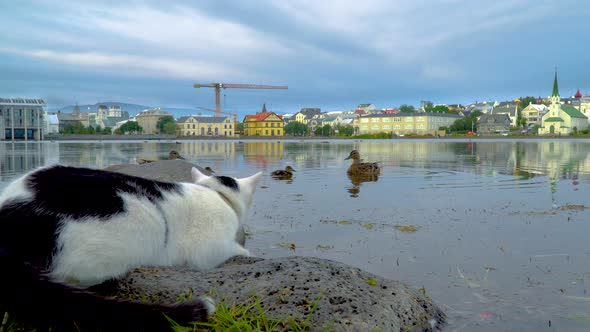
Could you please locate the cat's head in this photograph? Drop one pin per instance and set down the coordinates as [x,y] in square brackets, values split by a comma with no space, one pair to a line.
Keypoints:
[238,191]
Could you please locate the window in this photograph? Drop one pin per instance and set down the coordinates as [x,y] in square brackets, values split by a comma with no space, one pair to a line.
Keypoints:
[408,119]
[420,126]
[420,119]
[409,126]
[364,120]
[375,120]
[375,127]
[397,126]
[386,119]
[386,127]
[364,127]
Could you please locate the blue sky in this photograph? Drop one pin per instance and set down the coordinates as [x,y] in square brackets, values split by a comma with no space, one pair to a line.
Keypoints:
[332,54]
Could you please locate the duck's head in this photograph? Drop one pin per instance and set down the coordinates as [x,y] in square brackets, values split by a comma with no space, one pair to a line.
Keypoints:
[174,155]
[289,169]
[354,155]
[209,169]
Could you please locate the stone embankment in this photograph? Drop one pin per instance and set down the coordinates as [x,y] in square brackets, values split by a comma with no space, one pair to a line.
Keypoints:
[350,299]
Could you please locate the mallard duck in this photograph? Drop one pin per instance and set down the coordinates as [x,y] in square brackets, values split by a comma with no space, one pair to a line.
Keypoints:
[286,173]
[360,168]
[209,169]
[171,156]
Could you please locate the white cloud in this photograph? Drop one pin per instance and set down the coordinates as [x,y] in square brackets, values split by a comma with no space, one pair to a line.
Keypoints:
[134,65]
[410,31]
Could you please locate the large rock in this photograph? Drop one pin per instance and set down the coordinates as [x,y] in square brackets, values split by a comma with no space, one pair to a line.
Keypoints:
[349,298]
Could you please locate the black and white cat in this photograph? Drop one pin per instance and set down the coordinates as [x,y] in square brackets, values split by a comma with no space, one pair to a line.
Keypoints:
[63,229]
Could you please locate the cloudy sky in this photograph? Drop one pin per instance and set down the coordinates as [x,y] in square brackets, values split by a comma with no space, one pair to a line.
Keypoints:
[331,54]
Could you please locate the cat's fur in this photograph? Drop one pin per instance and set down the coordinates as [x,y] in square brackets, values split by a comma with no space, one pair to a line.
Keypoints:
[63,229]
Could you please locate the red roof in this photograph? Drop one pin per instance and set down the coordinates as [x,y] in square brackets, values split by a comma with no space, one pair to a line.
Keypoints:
[261,116]
[359,111]
[578,94]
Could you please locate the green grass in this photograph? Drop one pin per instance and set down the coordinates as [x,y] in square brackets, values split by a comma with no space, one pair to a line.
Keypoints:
[248,316]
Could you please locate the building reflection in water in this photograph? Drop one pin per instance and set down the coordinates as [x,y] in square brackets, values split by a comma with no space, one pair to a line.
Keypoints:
[263,154]
[21,157]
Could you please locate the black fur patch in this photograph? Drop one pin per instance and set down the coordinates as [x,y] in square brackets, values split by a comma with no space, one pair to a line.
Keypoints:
[30,227]
[84,192]
[228,182]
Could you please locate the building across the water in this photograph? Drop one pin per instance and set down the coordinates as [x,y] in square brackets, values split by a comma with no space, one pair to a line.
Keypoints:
[21,119]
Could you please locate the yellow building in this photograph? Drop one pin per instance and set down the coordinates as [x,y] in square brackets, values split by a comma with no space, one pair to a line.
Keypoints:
[404,123]
[148,120]
[205,126]
[264,124]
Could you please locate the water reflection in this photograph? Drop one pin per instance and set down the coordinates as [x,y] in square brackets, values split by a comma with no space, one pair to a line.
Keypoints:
[489,239]
[356,180]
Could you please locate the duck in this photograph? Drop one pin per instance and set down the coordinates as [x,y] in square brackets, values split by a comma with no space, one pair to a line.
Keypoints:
[171,156]
[209,169]
[361,168]
[286,173]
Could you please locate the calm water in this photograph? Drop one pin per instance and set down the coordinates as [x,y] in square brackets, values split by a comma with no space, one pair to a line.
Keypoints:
[501,242]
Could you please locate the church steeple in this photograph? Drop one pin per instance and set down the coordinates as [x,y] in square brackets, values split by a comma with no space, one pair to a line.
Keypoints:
[555,88]
[555,99]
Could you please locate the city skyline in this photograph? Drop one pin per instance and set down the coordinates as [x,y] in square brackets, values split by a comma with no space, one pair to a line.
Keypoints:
[332,55]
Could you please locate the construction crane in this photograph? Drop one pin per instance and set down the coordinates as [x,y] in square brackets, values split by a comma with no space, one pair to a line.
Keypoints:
[219,86]
[216,114]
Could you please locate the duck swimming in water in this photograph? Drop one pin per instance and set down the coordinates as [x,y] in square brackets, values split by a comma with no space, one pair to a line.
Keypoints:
[209,169]
[171,156]
[286,173]
[360,168]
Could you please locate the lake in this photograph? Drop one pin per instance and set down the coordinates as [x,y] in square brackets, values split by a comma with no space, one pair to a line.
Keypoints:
[496,231]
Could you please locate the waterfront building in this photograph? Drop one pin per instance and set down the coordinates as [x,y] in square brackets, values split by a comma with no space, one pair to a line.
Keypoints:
[404,123]
[148,120]
[21,119]
[533,113]
[508,108]
[305,114]
[493,124]
[561,119]
[51,123]
[193,125]
[263,124]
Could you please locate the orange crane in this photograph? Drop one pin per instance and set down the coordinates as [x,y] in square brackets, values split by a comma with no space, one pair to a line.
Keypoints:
[219,86]
[232,114]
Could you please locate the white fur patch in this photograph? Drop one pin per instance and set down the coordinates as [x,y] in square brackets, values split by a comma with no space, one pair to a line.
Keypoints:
[197,228]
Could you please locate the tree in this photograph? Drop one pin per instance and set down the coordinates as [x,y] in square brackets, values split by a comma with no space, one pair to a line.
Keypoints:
[345,131]
[466,123]
[296,128]
[240,127]
[325,130]
[75,128]
[407,108]
[129,127]
[437,109]
[164,128]
[170,128]
[524,102]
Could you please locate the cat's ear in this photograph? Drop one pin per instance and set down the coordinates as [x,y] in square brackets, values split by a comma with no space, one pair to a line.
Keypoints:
[252,181]
[197,175]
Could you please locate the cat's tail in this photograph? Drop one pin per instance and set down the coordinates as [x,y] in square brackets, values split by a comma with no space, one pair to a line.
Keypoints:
[33,298]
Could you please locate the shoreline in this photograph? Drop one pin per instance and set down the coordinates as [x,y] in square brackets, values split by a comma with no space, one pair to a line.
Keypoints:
[98,138]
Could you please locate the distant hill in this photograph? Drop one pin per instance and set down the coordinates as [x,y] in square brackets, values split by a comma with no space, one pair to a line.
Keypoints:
[133,109]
